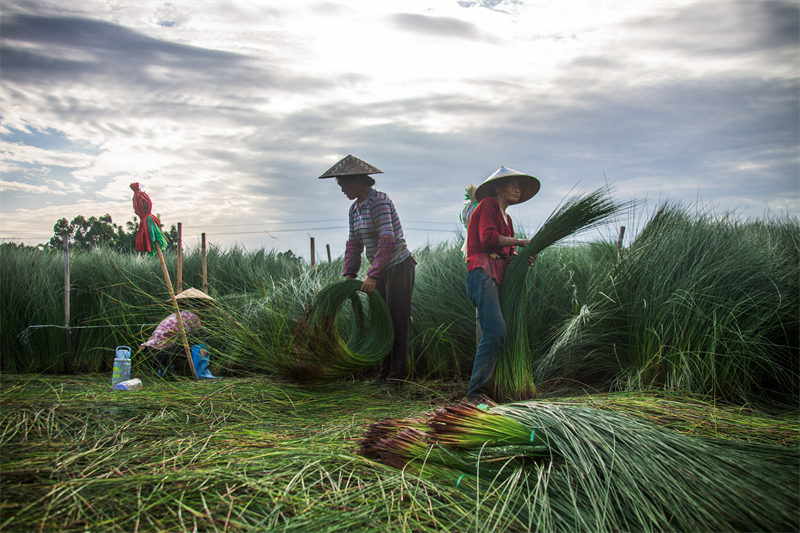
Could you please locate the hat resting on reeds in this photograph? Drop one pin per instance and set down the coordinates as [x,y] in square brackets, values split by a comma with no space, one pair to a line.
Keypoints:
[194,296]
[529,185]
[351,166]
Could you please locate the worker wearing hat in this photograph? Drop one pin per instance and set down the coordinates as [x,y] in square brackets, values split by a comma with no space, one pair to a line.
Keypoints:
[375,229]
[165,343]
[490,247]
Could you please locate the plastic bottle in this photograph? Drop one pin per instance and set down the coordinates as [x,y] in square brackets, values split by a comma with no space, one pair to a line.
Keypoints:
[122,365]
[131,384]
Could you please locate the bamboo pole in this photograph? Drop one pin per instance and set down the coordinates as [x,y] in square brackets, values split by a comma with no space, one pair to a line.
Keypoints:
[177,310]
[66,294]
[179,274]
[205,265]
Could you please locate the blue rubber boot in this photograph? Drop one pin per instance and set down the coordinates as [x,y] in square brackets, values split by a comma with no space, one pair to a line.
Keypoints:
[200,359]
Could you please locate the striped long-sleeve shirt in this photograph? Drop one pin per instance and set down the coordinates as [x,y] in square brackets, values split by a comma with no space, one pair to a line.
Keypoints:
[376,229]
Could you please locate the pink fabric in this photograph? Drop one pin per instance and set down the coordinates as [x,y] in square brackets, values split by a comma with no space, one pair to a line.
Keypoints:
[352,258]
[383,256]
[167,334]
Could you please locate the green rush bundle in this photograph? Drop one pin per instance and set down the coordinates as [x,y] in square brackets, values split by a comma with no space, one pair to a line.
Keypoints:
[513,376]
[575,468]
[320,352]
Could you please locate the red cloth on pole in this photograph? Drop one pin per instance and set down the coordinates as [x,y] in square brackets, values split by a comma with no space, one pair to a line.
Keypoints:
[142,205]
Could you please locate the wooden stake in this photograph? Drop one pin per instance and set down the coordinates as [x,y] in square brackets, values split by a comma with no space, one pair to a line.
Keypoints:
[179,275]
[328,247]
[177,310]
[205,265]
[66,294]
[313,253]
[619,242]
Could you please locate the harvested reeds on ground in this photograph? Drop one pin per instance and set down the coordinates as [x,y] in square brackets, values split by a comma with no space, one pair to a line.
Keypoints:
[259,454]
[230,455]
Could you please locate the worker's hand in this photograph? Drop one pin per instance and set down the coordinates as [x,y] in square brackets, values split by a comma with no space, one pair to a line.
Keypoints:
[369,285]
[532,260]
[523,242]
[349,277]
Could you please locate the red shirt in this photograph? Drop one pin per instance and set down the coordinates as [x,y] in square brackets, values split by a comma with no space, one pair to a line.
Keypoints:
[486,224]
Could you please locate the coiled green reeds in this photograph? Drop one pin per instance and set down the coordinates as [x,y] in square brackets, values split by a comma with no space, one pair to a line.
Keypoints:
[513,375]
[320,352]
[584,469]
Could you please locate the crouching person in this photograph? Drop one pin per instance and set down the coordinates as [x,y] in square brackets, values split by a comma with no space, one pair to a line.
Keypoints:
[165,345]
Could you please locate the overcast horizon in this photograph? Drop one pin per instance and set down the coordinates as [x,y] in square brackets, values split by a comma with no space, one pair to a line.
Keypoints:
[227,112]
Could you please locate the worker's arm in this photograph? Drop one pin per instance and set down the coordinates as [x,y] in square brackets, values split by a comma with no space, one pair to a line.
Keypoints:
[503,241]
[369,285]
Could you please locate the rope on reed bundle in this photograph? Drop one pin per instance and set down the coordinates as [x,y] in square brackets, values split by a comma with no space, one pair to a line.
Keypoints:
[320,352]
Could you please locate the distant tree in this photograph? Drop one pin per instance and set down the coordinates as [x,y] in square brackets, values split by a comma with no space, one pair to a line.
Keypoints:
[172,237]
[85,234]
[61,230]
[290,257]
[88,234]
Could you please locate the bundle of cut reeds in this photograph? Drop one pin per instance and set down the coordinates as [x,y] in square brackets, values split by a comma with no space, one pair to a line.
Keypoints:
[586,469]
[513,376]
[320,350]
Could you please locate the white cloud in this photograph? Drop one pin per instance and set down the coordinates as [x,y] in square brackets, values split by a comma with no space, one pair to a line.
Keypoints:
[227,112]
[25,187]
[22,153]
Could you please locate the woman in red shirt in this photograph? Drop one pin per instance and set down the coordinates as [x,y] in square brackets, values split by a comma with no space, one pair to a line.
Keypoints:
[490,247]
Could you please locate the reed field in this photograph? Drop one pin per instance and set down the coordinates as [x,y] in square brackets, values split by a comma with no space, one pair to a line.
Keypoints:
[649,388]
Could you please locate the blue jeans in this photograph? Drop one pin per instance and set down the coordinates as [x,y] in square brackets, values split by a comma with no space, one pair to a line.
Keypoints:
[485,294]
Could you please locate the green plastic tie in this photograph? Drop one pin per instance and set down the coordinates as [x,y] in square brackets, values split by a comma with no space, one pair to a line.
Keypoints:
[533,432]
[459,479]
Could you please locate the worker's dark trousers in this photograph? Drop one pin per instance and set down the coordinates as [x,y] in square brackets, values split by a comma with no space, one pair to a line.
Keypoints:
[396,286]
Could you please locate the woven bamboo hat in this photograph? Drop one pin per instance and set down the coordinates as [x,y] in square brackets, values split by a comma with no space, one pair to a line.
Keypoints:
[351,166]
[529,185]
[194,295]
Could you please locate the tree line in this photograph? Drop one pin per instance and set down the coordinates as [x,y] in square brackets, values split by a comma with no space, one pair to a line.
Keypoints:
[93,232]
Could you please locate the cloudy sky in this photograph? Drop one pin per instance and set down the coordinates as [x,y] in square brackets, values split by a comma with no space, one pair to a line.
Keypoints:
[226,112]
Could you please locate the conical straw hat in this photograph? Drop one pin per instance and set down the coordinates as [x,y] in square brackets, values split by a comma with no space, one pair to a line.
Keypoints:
[529,185]
[194,294]
[350,166]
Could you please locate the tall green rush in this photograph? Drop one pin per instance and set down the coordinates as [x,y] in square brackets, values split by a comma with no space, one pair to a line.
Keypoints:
[513,375]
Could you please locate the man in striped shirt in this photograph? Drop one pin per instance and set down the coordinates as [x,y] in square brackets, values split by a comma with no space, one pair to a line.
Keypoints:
[375,229]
